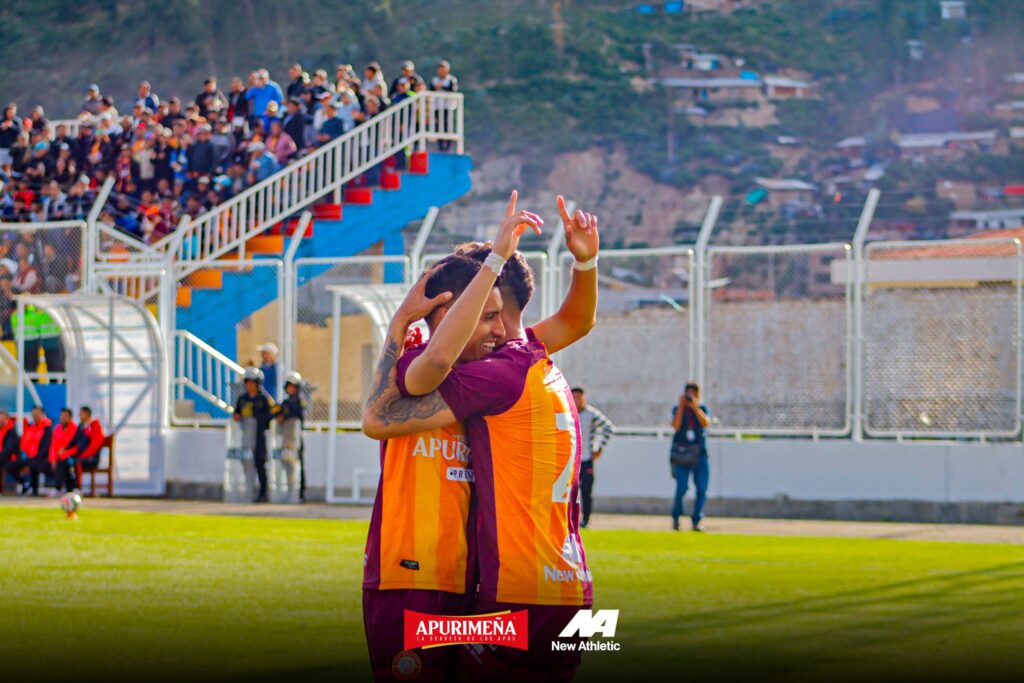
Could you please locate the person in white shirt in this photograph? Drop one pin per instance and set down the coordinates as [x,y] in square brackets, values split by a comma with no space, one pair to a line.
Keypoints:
[595,431]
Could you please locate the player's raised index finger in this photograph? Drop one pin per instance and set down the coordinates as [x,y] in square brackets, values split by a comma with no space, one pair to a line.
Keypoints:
[510,210]
[563,211]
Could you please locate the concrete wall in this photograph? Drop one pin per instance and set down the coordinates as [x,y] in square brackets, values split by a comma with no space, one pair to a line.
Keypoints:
[875,480]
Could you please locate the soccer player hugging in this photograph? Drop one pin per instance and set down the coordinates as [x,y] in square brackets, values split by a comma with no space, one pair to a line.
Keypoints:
[477,510]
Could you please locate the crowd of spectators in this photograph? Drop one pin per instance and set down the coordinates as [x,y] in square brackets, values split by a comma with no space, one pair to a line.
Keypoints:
[171,158]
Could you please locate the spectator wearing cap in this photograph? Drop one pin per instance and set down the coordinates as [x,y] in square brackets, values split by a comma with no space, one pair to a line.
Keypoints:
[294,121]
[332,127]
[210,99]
[262,94]
[319,108]
[262,163]
[445,81]
[268,364]
[10,127]
[148,97]
[91,103]
[409,74]
[346,107]
[297,84]
[174,112]
[202,158]
[224,144]
[319,83]
[400,90]
[273,112]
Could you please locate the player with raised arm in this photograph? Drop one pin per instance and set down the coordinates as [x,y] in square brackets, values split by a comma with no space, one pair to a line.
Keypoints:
[418,550]
[522,430]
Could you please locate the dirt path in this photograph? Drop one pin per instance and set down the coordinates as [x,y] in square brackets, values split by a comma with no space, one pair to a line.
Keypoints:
[962,533]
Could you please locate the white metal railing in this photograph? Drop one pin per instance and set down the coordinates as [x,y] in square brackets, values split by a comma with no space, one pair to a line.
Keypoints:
[71,125]
[414,122]
[202,369]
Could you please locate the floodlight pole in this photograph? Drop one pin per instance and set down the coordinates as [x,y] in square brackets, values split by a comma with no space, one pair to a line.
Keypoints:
[332,430]
[291,290]
[554,270]
[416,253]
[698,295]
[859,275]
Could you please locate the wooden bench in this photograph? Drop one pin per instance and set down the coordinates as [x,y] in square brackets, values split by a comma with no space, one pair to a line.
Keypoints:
[108,443]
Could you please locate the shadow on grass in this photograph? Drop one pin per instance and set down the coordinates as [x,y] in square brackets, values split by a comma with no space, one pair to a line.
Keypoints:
[936,628]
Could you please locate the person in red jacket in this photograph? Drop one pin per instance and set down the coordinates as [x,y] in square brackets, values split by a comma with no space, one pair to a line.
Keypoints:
[35,444]
[63,451]
[10,451]
[89,440]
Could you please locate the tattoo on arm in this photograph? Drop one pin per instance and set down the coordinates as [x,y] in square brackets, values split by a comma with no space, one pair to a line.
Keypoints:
[386,402]
[396,409]
[385,374]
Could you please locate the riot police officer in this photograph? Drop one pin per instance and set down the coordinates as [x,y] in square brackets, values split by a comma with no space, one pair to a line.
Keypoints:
[254,409]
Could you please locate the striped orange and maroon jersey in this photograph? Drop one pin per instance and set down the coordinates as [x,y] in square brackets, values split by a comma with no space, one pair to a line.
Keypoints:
[523,429]
[418,530]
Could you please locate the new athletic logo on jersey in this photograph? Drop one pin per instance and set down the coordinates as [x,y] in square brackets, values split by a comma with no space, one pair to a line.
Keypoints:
[433,630]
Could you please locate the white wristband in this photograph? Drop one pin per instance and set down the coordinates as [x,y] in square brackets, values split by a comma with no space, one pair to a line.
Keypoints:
[585,265]
[495,262]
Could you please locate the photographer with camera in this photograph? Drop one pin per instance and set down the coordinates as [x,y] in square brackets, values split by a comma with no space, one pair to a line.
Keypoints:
[689,454]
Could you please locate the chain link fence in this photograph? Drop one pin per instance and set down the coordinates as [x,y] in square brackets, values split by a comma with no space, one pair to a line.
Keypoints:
[635,361]
[233,307]
[778,339]
[359,341]
[38,258]
[941,330]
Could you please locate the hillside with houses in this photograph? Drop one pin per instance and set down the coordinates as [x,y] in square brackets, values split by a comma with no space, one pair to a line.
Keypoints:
[790,109]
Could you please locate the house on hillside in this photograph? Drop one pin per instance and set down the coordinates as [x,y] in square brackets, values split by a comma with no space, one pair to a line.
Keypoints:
[725,85]
[852,147]
[1009,111]
[921,146]
[1016,81]
[952,10]
[783,192]
[968,222]
[781,88]
[695,60]
[963,193]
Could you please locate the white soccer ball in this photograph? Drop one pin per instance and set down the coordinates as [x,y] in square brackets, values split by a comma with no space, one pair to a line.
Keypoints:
[70,502]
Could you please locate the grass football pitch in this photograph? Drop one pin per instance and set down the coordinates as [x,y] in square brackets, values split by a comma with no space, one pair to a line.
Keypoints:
[153,597]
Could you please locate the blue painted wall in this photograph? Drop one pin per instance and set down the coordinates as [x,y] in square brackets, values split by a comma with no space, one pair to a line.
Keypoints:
[215,314]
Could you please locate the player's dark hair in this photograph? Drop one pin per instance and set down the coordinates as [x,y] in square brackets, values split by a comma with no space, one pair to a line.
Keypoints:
[691,385]
[67,410]
[579,390]
[87,409]
[516,277]
[454,275]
